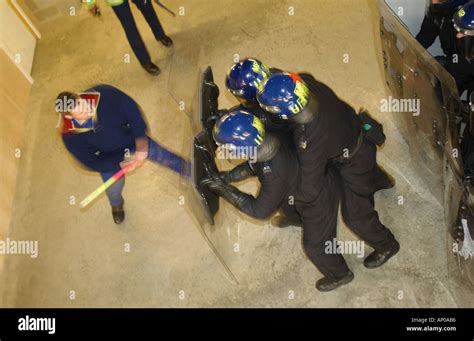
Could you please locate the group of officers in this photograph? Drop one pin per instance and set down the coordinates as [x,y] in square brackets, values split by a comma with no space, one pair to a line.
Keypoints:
[314,152]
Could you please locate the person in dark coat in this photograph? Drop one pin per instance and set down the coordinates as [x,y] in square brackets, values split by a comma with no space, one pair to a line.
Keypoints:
[443,20]
[241,134]
[328,135]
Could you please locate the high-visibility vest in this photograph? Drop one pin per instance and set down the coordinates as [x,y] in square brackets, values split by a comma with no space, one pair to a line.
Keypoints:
[91,3]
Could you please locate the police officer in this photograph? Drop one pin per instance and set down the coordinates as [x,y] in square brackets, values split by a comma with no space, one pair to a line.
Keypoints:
[327,132]
[240,133]
[123,12]
[452,22]
[244,79]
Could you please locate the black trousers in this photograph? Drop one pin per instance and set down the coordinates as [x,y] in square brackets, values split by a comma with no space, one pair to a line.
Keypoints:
[125,16]
[352,185]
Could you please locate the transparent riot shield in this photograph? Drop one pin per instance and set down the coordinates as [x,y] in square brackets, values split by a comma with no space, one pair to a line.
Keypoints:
[412,74]
[433,134]
[217,221]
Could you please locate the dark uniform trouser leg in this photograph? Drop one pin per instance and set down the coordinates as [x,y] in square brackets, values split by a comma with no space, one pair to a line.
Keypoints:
[320,228]
[125,16]
[361,178]
[146,7]
[361,217]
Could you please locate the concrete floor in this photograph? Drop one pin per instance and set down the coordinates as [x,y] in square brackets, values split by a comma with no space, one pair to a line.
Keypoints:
[169,263]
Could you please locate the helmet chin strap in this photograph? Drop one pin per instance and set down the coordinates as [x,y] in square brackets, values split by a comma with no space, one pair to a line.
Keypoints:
[268,149]
[308,113]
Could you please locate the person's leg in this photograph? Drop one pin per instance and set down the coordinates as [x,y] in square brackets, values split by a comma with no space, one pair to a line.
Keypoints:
[125,16]
[361,178]
[114,192]
[361,217]
[161,155]
[146,7]
[317,236]
[320,228]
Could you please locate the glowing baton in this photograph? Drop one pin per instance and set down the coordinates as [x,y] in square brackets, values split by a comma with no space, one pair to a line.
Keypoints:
[102,188]
[158,2]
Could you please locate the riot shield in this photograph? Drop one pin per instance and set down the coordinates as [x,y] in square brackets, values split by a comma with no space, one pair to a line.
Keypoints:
[412,74]
[217,223]
[433,135]
[208,107]
[203,150]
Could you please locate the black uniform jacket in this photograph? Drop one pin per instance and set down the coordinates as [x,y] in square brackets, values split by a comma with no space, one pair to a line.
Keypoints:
[335,130]
[278,178]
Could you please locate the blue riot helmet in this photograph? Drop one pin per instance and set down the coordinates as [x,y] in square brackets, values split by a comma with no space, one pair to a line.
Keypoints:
[246,77]
[284,94]
[464,19]
[239,129]
[464,24]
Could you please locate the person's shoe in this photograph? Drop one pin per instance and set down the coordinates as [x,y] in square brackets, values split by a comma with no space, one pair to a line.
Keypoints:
[282,222]
[377,258]
[326,284]
[118,213]
[152,69]
[166,41]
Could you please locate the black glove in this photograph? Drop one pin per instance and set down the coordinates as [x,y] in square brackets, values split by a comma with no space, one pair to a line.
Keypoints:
[228,192]
[239,173]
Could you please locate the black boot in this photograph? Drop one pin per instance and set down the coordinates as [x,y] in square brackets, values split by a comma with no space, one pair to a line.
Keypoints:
[118,213]
[377,258]
[166,41]
[326,284]
[152,69]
